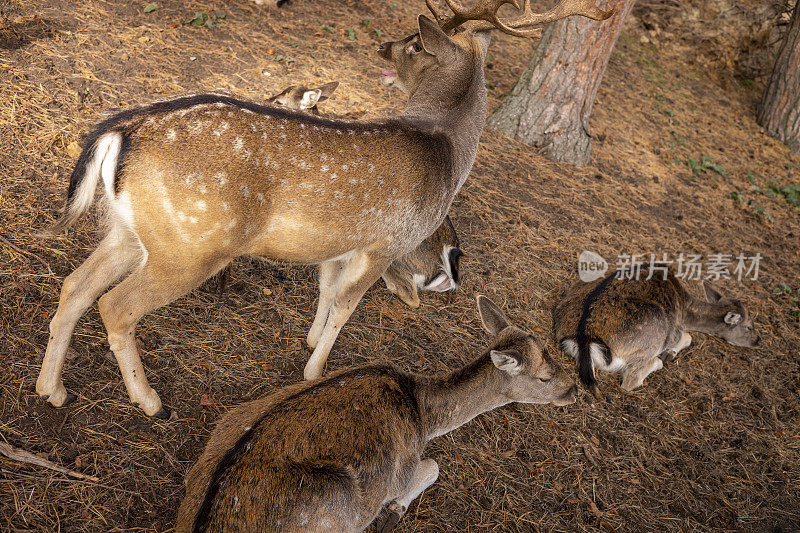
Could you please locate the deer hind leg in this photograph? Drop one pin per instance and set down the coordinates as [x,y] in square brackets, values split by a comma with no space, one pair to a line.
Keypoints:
[634,374]
[425,475]
[115,256]
[329,273]
[146,289]
[358,274]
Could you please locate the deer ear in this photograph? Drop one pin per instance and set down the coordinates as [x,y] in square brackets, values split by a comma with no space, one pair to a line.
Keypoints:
[404,288]
[732,318]
[712,295]
[493,319]
[327,90]
[310,98]
[507,361]
[434,40]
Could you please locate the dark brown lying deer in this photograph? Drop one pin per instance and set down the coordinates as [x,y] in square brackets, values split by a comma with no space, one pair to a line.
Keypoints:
[192,183]
[627,325]
[329,454]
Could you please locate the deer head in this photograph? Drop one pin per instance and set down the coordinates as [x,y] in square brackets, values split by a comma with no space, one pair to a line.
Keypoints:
[304,98]
[432,266]
[728,319]
[532,375]
[439,45]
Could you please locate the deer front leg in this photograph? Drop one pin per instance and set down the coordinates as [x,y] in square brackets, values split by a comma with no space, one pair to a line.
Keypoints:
[329,273]
[683,342]
[425,475]
[357,275]
[114,257]
[147,288]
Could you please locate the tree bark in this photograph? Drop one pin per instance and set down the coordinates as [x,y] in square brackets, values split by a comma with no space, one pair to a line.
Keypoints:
[550,105]
[779,111]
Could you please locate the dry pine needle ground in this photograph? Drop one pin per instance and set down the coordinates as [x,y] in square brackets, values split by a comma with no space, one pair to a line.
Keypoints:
[710,443]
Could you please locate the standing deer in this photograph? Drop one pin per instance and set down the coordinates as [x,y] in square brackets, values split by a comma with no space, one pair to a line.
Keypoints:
[626,325]
[194,182]
[327,455]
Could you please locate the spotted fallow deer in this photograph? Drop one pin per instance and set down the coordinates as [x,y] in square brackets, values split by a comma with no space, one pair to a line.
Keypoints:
[631,322]
[329,454]
[193,182]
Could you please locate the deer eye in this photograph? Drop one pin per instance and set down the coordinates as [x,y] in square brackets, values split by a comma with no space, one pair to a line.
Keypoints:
[545,380]
[413,48]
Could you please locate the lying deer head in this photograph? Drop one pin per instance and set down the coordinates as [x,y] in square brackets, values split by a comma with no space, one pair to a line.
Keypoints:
[533,376]
[729,320]
[432,266]
[304,98]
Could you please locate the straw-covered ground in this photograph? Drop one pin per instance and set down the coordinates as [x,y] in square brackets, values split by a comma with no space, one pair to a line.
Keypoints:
[710,443]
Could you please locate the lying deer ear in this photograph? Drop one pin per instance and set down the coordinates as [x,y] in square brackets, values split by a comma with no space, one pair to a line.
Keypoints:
[507,361]
[404,288]
[434,40]
[327,90]
[712,295]
[310,98]
[493,319]
[732,318]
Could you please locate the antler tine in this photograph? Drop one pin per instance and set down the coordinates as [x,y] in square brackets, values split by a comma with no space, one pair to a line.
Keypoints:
[438,15]
[483,10]
[521,26]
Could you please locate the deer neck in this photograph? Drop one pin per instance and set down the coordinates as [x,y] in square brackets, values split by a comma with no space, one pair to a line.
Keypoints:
[702,316]
[450,401]
[459,117]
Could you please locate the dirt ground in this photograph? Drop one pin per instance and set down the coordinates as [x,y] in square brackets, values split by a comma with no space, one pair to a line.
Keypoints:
[711,443]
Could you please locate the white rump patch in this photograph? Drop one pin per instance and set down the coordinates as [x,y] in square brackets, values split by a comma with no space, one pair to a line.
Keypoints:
[598,359]
[570,347]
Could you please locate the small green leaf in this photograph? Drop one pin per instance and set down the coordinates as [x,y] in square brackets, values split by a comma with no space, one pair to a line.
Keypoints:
[736,196]
[351,34]
[366,23]
[327,28]
[200,18]
[149,8]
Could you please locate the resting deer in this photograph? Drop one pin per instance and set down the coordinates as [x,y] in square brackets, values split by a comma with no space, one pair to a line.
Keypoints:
[302,98]
[628,325]
[330,454]
[431,266]
[194,182]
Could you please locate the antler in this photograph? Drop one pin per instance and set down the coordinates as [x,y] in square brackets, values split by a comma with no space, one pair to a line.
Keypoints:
[486,10]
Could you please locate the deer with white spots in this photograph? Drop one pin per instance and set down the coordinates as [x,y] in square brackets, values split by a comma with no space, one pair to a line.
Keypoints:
[327,455]
[194,182]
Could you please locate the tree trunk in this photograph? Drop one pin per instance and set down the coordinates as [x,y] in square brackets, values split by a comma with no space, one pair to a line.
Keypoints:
[779,111]
[551,103]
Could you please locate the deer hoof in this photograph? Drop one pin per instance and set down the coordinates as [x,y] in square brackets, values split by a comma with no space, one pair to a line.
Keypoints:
[389,522]
[163,414]
[69,399]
